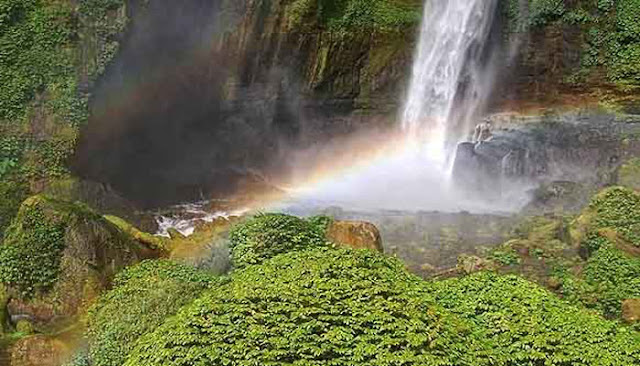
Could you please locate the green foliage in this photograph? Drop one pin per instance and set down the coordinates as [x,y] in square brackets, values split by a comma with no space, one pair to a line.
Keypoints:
[505,256]
[349,15]
[611,32]
[143,297]
[618,208]
[526,325]
[46,49]
[321,223]
[32,52]
[317,307]
[31,252]
[542,12]
[613,277]
[266,235]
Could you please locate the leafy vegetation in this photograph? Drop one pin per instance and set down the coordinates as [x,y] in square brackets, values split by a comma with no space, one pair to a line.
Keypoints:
[618,208]
[143,297]
[527,325]
[346,15]
[49,52]
[31,252]
[611,29]
[315,307]
[267,235]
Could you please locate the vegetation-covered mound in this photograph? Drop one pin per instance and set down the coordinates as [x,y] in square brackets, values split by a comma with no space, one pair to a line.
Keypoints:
[527,325]
[60,255]
[266,235]
[330,306]
[316,307]
[614,208]
[143,297]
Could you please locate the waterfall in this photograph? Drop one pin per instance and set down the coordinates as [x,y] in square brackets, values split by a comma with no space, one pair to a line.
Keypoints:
[448,83]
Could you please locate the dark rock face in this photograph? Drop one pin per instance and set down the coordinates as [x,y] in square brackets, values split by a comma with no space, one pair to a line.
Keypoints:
[205,93]
[586,150]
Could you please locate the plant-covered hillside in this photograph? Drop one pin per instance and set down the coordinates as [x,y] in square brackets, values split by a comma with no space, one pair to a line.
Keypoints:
[609,32]
[317,305]
[50,53]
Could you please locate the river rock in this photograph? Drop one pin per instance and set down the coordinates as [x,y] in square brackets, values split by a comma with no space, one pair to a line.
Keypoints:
[355,234]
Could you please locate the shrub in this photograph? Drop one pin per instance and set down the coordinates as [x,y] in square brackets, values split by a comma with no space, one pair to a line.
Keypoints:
[618,208]
[613,277]
[317,307]
[267,235]
[527,325]
[143,297]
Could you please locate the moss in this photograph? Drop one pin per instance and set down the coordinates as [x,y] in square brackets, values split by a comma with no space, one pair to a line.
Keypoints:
[147,239]
[143,297]
[33,257]
[611,40]
[12,193]
[24,327]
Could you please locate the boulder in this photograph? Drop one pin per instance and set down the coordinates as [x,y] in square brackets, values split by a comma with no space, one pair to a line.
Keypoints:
[57,257]
[631,310]
[39,350]
[355,234]
[470,264]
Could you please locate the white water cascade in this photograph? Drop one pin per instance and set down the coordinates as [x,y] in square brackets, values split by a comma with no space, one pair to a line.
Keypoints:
[448,84]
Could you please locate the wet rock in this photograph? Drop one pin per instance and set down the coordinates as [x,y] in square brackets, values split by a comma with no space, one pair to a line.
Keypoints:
[585,150]
[559,197]
[39,350]
[355,234]
[631,310]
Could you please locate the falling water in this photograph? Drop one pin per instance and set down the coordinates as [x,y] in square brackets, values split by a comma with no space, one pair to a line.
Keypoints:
[448,84]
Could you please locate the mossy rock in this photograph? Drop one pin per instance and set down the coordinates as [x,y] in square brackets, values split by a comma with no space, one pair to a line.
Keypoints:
[12,193]
[101,198]
[207,248]
[615,208]
[58,256]
[146,239]
[629,174]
